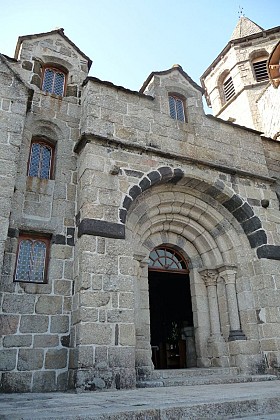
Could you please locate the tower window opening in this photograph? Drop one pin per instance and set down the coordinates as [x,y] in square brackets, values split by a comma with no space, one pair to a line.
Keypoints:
[260,70]
[229,90]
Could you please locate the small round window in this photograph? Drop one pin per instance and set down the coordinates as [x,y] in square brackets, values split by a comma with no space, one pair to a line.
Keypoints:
[167,259]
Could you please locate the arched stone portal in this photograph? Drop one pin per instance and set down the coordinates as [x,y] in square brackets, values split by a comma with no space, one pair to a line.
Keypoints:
[184,218]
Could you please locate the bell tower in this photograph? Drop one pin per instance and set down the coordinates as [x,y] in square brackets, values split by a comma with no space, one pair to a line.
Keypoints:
[238,77]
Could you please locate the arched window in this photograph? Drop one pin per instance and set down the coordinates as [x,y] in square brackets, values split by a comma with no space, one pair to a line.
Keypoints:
[40,159]
[32,257]
[177,108]
[260,70]
[54,81]
[228,88]
[167,259]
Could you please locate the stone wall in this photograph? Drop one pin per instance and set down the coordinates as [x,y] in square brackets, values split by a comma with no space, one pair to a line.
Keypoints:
[36,318]
[118,173]
[13,107]
[129,178]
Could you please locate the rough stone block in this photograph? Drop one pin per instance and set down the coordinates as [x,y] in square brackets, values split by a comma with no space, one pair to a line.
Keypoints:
[127,335]
[85,356]
[59,324]
[56,358]
[49,305]
[30,359]
[121,357]
[67,304]
[62,252]
[63,287]
[34,324]
[93,333]
[127,266]
[269,251]
[233,203]
[46,340]
[120,315]
[94,299]
[257,238]
[251,225]
[17,341]
[9,324]
[243,213]
[36,288]
[44,381]
[62,381]
[8,359]
[101,228]
[22,304]
[127,379]
[101,356]
[16,381]
[126,300]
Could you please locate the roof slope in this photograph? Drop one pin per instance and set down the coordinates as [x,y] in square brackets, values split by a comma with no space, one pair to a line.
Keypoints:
[245,27]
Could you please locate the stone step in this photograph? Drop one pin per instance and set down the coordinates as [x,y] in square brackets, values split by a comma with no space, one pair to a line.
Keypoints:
[189,377]
[227,401]
[175,373]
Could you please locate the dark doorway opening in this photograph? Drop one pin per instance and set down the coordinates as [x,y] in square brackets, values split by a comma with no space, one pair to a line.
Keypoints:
[170,313]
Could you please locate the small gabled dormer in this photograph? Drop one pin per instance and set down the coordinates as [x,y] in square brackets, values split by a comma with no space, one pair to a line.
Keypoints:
[52,62]
[175,93]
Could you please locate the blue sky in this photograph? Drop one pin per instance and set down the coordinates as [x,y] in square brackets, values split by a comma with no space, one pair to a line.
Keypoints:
[128,39]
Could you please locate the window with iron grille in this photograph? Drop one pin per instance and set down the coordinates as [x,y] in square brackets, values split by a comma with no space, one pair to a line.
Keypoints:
[40,160]
[176,108]
[53,81]
[32,259]
[229,90]
[260,70]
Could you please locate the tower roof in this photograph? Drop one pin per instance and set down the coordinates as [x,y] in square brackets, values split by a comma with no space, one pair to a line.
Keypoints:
[245,27]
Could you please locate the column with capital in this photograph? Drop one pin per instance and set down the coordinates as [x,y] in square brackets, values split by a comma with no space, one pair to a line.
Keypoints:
[143,351]
[210,280]
[228,274]
[216,343]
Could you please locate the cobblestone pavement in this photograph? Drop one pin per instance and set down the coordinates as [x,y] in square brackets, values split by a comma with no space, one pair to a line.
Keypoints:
[260,400]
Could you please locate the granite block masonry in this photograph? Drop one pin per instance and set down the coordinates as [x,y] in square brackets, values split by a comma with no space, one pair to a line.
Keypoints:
[160,228]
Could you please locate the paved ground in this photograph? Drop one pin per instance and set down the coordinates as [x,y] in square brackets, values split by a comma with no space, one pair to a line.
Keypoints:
[228,401]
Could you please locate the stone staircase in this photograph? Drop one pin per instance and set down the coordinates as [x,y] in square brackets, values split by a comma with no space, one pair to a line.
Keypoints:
[199,376]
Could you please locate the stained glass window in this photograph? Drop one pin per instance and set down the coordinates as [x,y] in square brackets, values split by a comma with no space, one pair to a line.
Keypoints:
[176,108]
[167,259]
[40,160]
[53,81]
[31,259]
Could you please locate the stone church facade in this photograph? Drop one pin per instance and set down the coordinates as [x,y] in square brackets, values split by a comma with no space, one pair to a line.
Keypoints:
[132,223]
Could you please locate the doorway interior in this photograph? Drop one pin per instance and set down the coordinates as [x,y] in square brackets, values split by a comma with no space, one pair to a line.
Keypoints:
[170,309]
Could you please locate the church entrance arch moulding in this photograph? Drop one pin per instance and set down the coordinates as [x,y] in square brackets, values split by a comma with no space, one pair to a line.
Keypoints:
[181,217]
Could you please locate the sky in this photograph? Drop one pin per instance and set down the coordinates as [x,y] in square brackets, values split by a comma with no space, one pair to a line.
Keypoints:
[128,39]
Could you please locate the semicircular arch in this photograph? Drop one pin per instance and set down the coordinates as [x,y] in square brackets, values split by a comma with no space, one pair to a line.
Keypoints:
[213,192]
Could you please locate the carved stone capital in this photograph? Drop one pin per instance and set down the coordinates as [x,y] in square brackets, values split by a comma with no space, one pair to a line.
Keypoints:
[228,273]
[209,276]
